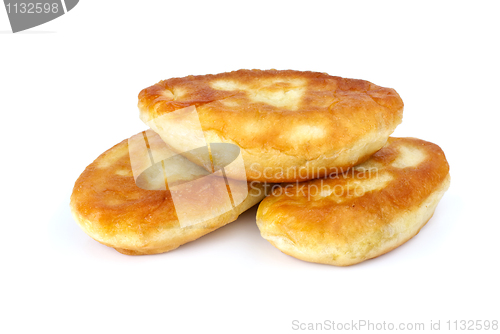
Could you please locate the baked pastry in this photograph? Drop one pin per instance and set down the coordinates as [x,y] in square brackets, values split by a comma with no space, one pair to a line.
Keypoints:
[111,208]
[373,208]
[290,125]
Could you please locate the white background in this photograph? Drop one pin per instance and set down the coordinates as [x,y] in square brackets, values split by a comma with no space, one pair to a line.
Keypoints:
[69,92]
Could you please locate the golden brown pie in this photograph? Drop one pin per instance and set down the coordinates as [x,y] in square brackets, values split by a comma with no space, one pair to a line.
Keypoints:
[109,206]
[290,125]
[375,207]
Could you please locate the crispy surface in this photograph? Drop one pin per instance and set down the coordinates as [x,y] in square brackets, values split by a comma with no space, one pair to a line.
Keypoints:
[109,207]
[372,209]
[290,125]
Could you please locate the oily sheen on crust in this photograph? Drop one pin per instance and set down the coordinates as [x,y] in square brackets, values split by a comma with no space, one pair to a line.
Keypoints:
[290,125]
[374,208]
[112,209]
